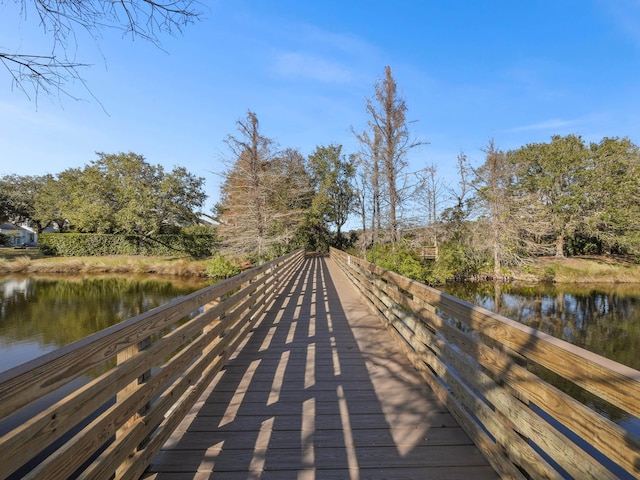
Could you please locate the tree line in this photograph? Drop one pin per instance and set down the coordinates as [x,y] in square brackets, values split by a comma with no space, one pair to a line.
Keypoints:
[562,197]
[114,194]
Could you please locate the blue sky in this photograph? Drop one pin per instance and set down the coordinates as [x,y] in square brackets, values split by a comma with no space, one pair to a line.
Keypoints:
[517,72]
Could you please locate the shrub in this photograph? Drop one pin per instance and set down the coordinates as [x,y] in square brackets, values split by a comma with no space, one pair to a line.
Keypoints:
[94,244]
[455,260]
[548,274]
[399,259]
[222,267]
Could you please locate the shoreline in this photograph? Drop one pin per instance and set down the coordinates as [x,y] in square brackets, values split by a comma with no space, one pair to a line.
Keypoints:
[584,269]
[37,264]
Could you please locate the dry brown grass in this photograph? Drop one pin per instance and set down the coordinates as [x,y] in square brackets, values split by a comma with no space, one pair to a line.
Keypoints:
[94,265]
[592,269]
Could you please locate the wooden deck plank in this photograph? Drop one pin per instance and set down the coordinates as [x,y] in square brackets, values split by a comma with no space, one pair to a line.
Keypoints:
[319,390]
[287,435]
[408,473]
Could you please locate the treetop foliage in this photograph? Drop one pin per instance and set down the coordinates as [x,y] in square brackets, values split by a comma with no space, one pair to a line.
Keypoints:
[561,197]
[116,193]
[265,193]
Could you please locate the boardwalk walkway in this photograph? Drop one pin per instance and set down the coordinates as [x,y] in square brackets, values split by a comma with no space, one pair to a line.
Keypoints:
[319,390]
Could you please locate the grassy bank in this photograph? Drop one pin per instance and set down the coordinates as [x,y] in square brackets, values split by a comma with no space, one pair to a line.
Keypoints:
[594,269]
[32,261]
[561,270]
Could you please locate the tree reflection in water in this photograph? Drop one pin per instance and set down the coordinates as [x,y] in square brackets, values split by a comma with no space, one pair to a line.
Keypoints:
[601,318]
[40,314]
[604,319]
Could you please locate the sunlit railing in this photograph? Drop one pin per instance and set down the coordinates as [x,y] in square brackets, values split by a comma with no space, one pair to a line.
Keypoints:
[105,405]
[536,406]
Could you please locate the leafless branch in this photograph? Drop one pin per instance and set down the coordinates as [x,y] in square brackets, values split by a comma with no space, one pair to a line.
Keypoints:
[61,19]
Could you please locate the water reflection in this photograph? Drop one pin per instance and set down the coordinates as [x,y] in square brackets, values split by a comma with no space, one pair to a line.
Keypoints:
[40,314]
[604,319]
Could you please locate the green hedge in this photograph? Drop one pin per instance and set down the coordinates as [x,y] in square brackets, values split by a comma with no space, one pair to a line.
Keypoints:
[94,244]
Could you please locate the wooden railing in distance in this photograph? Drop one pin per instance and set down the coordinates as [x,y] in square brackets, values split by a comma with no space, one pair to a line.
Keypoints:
[129,386]
[497,378]
[430,252]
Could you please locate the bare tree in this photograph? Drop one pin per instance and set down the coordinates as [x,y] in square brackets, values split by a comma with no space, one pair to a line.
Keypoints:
[265,194]
[389,143]
[429,191]
[370,178]
[493,193]
[458,197]
[246,190]
[62,19]
[428,194]
[290,195]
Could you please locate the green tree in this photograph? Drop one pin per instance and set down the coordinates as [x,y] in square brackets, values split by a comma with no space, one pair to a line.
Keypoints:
[132,183]
[613,192]
[19,199]
[47,202]
[333,175]
[552,177]
[180,196]
[86,201]
[4,206]
[122,193]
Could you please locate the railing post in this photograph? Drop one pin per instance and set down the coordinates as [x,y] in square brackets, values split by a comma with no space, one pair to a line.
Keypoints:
[206,307]
[123,356]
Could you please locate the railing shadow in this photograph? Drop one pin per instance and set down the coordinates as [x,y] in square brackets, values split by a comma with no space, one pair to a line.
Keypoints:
[316,391]
[491,373]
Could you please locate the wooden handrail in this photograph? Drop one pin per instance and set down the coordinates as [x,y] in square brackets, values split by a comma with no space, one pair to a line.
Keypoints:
[129,386]
[491,372]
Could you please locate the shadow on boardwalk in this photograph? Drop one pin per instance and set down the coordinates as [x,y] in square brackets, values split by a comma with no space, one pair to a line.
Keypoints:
[319,390]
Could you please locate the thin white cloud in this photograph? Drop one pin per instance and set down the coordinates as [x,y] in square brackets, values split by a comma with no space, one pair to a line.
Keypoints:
[550,124]
[340,43]
[320,55]
[311,67]
[626,16]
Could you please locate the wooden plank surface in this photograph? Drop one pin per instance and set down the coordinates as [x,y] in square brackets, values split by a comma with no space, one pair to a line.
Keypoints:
[319,390]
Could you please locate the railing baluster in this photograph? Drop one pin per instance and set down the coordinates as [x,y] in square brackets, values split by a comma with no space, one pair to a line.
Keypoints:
[123,394]
[157,379]
[498,389]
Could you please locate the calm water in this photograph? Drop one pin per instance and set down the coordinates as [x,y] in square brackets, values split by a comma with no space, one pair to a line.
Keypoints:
[604,319]
[39,314]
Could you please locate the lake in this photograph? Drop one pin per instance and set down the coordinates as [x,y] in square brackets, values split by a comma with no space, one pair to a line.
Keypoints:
[602,318]
[40,314]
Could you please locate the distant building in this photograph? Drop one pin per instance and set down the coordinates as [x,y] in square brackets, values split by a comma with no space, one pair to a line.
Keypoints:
[18,235]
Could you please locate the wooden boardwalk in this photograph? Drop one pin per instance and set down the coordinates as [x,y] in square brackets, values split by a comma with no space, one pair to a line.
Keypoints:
[319,390]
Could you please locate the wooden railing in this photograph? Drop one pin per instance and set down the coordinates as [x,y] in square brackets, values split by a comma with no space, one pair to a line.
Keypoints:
[430,252]
[106,404]
[500,379]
